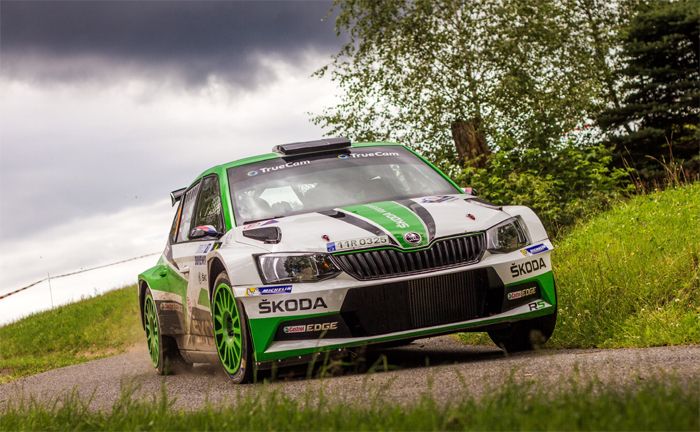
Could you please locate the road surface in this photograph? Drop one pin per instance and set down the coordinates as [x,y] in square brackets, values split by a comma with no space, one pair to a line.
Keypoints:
[441,366]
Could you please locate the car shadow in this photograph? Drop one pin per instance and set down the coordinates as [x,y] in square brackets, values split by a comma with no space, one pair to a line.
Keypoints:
[421,353]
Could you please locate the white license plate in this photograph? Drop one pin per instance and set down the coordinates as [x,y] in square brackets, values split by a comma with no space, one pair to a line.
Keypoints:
[359,243]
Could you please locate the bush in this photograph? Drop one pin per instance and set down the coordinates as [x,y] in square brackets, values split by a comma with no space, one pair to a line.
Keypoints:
[561,184]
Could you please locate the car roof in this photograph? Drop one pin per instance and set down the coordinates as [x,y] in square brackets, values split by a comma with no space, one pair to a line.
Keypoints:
[221,169]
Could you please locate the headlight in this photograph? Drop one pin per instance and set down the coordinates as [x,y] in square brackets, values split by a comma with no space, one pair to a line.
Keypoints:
[506,236]
[296,267]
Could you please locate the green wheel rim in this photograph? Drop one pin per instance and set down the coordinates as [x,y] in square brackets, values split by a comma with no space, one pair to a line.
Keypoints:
[152,332]
[227,328]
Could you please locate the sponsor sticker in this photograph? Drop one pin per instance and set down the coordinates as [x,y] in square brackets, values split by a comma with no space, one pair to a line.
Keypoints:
[527,267]
[295,329]
[291,305]
[266,170]
[259,224]
[170,306]
[204,248]
[309,328]
[522,293]
[400,223]
[535,249]
[269,290]
[200,260]
[537,305]
[360,243]
[367,155]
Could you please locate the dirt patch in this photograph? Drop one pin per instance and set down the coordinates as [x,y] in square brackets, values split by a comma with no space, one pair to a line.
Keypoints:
[6,375]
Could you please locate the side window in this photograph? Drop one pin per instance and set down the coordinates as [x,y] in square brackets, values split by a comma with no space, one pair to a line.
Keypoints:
[187,210]
[176,221]
[209,205]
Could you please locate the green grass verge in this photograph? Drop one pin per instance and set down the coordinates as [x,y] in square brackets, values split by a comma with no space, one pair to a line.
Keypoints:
[649,405]
[75,333]
[630,277]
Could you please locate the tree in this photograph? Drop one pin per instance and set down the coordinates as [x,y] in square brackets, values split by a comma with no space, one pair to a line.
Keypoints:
[474,73]
[661,106]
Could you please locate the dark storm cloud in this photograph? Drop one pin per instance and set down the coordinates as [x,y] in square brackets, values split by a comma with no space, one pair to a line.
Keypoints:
[63,40]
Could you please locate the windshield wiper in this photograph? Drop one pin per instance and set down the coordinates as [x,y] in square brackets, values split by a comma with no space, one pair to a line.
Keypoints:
[260,220]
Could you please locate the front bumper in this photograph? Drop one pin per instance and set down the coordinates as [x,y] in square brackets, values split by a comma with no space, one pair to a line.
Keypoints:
[300,319]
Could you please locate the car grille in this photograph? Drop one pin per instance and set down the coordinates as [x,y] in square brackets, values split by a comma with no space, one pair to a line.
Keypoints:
[417,303]
[446,253]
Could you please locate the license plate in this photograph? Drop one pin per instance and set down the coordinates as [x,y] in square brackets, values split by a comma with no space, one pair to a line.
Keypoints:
[360,243]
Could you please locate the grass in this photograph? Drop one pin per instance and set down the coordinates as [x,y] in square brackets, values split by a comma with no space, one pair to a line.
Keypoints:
[630,277]
[647,405]
[75,333]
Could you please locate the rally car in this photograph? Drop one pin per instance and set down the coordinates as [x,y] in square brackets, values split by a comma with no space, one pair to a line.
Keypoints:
[329,245]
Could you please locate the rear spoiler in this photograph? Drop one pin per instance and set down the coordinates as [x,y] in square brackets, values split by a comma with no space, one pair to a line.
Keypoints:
[176,195]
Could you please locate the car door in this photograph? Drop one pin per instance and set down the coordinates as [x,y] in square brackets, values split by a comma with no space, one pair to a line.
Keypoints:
[201,206]
[207,212]
[183,250]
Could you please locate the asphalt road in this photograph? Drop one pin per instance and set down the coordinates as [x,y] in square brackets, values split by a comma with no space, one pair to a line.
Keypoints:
[440,366]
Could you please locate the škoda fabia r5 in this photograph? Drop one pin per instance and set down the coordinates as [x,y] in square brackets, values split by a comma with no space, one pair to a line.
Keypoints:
[327,245]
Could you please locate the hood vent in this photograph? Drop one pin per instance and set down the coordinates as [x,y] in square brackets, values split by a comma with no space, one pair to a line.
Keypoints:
[269,235]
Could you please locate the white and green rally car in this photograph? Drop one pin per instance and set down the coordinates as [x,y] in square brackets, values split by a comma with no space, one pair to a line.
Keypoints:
[325,245]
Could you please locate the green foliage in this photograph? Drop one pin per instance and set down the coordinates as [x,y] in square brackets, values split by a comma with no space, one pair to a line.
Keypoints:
[662,86]
[75,333]
[648,405]
[561,185]
[526,70]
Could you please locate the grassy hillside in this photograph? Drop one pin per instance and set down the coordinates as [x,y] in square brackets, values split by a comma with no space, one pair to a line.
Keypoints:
[630,277]
[70,334]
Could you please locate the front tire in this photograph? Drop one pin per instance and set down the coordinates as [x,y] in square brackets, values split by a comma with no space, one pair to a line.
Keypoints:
[525,335]
[231,335]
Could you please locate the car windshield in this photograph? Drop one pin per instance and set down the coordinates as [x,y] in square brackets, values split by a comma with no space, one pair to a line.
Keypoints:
[287,186]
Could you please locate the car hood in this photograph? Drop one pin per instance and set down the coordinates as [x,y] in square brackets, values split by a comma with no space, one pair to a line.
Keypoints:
[430,217]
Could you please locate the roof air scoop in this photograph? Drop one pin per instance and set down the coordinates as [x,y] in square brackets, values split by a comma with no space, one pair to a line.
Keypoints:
[319,146]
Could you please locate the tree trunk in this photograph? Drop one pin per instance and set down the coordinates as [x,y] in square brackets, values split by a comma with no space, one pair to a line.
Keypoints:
[470,142]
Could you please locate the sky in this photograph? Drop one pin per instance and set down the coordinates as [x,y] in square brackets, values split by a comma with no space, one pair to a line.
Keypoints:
[105,107]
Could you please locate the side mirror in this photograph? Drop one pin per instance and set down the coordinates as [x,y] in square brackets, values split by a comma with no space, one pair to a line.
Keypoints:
[470,191]
[204,231]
